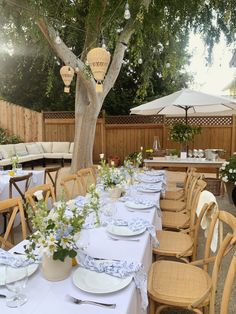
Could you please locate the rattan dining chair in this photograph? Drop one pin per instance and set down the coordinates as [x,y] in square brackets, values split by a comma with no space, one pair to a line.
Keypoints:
[51,173]
[181,205]
[183,244]
[187,286]
[180,193]
[48,195]
[87,177]
[72,186]
[181,220]
[13,206]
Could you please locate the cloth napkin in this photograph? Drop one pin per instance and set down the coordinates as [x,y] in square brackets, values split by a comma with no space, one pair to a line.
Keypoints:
[6,258]
[207,197]
[136,224]
[120,269]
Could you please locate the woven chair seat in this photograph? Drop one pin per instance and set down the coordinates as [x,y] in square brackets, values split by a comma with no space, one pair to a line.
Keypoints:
[174,195]
[175,220]
[177,284]
[172,205]
[173,243]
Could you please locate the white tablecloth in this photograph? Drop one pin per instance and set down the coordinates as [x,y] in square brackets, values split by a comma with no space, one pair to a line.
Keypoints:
[36,179]
[50,297]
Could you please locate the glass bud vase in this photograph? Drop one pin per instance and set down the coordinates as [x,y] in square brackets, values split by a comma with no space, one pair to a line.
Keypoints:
[156,145]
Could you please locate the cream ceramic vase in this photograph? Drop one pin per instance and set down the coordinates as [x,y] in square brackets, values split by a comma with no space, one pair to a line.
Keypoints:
[115,192]
[55,270]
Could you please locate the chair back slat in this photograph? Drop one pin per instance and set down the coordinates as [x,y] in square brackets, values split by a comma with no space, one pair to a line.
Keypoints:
[52,174]
[87,177]
[48,193]
[224,309]
[14,182]
[72,186]
[13,206]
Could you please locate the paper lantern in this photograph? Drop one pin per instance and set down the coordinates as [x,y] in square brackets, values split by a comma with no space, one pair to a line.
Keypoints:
[67,74]
[98,60]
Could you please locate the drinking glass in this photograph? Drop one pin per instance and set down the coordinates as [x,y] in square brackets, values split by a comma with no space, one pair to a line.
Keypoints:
[190,153]
[19,168]
[15,280]
[1,170]
[156,144]
[83,239]
[195,153]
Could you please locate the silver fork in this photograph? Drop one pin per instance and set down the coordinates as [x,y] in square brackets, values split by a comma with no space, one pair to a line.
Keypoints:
[78,301]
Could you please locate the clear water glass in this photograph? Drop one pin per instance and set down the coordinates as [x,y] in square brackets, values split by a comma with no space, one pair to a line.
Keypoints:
[190,153]
[195,153]
[83,241]
[15,281]
[19,168]
[1,170]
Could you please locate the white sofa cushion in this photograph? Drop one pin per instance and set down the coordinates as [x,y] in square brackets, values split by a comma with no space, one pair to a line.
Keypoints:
[21,149]
[47,147]
[40,147]
[33,149]
[71,148]
[7,151]
[53,155]
[67,156]
[60,147]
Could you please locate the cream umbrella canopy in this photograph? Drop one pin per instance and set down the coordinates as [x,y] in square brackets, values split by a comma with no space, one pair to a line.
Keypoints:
[186,100]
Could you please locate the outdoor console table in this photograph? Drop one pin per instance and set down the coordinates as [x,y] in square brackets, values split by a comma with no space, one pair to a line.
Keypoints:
[182,163]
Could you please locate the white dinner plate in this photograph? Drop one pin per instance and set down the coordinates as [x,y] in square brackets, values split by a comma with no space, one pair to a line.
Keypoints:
[149,179]
[147,190]
[31,269]
[93,282]
[124,231]
[136,205]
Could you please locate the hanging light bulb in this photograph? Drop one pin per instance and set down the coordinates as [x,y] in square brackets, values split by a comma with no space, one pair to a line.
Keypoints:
[140,61]
[127,14]
[57,38]
[104,44]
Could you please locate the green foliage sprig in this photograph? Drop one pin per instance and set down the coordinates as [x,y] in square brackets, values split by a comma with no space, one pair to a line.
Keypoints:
[8,139]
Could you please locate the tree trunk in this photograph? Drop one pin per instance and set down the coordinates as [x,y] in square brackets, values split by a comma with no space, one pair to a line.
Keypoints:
[87,109]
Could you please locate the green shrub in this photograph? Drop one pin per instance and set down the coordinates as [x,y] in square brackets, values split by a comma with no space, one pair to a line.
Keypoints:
[9,139]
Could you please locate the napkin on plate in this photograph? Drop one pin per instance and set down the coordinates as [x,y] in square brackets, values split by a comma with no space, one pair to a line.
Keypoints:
[6,258]
[120,269]
[136,224]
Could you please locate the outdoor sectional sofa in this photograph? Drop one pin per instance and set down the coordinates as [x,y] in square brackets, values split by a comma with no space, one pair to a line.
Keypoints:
[36,152]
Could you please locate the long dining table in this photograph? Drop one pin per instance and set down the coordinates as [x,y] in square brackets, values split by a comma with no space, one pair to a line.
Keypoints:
[51,297]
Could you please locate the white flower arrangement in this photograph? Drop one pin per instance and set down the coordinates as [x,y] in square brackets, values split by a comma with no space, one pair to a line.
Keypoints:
[228,170]
[110,176]
[57,229]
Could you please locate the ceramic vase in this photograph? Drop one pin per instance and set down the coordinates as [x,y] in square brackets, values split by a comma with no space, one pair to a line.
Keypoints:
[55,270]
[115,192]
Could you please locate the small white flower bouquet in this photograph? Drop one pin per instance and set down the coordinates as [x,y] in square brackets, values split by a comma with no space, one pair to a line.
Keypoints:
[228,170]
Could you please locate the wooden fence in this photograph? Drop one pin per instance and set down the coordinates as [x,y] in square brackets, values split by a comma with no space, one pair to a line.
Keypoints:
[117,135]
[121,135]
[26,123]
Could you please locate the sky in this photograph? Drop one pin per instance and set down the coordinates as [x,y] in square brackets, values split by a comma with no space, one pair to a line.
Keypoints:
[213,78]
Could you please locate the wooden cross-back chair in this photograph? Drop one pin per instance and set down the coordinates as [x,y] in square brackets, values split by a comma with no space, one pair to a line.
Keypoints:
[180,193]
[72,186]
[13,206]
[180,205]
[187,286]
[52,175]
[87,177]
[48,195]
[229,281]
[183,244]
[181,219]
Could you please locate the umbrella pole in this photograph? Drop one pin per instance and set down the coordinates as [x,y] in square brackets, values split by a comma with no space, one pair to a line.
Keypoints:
[186,121]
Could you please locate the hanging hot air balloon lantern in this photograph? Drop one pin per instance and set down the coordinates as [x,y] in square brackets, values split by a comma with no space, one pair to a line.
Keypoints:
[67,73]
[98,60]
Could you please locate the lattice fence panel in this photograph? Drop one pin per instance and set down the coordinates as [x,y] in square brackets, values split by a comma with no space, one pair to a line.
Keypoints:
[59,115]
[135,119]
[203,121]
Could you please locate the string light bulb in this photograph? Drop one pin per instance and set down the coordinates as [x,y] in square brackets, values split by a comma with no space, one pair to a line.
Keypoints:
[57,38]
[127,14]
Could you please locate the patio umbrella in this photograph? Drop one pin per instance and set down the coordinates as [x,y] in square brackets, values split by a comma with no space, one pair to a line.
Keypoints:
[186,100]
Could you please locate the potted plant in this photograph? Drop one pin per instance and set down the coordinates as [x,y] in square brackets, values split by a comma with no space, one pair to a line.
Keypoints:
[183,133]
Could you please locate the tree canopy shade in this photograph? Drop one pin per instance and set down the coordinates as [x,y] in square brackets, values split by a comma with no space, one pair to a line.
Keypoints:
[157,33]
